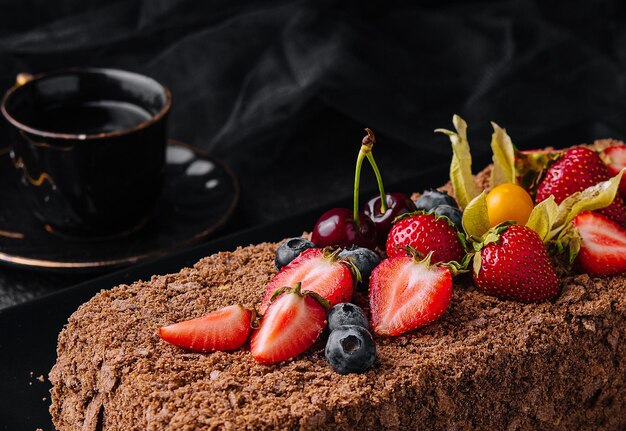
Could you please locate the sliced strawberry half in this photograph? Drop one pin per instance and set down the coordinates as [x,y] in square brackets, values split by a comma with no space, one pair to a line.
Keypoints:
[603,245]
[225,329]
[291,324]
[615,157]
[318,271]
[406,294]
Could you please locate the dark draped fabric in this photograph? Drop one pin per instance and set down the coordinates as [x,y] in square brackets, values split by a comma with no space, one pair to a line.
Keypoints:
[282,89]
[241,71]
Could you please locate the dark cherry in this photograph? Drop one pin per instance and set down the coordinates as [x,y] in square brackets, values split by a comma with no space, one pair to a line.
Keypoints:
[336,227]
[397,204]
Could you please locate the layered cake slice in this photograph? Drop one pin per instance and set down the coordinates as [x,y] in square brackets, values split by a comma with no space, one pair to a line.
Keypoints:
[525,362]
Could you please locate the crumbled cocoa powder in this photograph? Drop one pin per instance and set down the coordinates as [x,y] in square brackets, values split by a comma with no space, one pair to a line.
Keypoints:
[487,364]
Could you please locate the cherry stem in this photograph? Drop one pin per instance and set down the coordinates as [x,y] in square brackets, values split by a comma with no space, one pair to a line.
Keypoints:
[379,179]
[366,147]
[357,180]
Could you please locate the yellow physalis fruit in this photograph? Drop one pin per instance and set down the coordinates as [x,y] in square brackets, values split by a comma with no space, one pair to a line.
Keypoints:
[508,202]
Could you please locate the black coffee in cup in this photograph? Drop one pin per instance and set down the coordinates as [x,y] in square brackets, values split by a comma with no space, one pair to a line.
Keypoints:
[89,145]
[92,117]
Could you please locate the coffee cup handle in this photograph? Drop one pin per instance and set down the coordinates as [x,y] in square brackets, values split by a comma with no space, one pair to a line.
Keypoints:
[22,78]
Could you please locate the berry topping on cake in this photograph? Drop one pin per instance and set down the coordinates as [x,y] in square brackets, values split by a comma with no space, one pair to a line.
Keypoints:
[346,314]
[514,264]
[615,157]
[319,271]
[510,260]
[342,228]
[397,204]
[291,324]
[350,349]
[602,245]
[432,198]
[508,202]
[426,233]
[577,169]
[225,329]
[406,294]
[364,259]
[291,249]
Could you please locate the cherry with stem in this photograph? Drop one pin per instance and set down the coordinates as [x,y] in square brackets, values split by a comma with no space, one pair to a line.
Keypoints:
[382,209]
[344,227]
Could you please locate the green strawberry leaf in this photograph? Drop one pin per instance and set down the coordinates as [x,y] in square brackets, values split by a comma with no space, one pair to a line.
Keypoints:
[592,198]
[503,157]
[456,268]
[542,217]
[465,188]
[475,217]
[319,298]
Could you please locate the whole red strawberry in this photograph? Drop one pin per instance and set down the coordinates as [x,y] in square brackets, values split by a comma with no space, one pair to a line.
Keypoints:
[319,271]
[576,170]
[426,233]
[513,264]
[406,294]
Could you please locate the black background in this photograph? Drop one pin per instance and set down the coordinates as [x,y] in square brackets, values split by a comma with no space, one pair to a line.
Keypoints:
[281,90]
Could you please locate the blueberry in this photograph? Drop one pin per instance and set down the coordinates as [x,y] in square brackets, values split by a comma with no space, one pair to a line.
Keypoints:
[454,214]
[346,314]
[364,259]
[433,198]
[350,349]
[291,249]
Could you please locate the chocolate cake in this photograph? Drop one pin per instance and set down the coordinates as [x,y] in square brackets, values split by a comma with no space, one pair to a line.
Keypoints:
[487,364]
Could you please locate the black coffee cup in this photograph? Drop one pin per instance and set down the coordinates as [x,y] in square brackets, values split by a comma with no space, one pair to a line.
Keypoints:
[89,145]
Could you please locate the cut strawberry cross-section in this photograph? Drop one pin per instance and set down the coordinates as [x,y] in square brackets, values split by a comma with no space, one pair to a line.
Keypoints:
[602,245]
[291,324]
[406,294]
[225,329]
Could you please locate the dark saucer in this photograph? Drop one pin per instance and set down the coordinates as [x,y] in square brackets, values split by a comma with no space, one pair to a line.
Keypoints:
[198,197]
